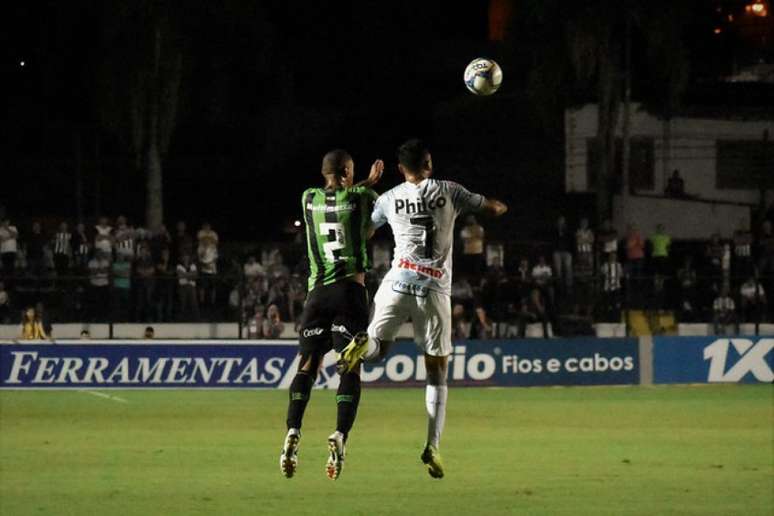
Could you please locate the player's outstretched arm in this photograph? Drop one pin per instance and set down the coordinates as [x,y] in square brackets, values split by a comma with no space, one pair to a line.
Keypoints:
[493,207]
[377,169]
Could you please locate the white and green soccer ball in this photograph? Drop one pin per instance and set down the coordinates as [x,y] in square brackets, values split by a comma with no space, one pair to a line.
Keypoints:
[483,76]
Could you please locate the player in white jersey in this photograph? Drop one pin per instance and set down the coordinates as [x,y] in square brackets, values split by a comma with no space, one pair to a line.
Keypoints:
[421,213]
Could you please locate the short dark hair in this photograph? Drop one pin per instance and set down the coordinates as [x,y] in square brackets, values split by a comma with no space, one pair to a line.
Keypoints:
[334,162]
[413,155]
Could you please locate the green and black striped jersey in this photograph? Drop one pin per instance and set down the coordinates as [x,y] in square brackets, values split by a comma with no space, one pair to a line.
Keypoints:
[337,224]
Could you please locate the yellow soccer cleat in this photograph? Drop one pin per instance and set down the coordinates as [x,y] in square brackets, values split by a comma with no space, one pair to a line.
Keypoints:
[350,356]
[432,458]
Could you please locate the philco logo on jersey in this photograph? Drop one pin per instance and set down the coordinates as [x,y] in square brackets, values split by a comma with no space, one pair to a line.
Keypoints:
[420,206]
[752,360]
[421,269]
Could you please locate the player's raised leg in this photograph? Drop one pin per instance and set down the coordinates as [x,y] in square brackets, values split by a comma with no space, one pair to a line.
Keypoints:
[436,394]
[299,393]
[353,299]
[347,401]
[431,318]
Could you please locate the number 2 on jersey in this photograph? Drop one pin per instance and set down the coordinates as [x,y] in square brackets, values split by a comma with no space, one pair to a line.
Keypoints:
[428,224]
[336,239]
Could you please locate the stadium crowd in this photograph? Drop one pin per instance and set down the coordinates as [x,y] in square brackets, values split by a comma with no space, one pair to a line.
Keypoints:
[569,278]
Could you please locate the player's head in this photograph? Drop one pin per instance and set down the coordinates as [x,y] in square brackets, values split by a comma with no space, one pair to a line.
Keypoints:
[414,159]
[338,168]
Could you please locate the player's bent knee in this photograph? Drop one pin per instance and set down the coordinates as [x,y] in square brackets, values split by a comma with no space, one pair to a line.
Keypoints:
[436,369]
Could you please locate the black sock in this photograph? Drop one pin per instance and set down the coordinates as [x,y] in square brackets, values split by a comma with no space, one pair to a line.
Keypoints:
[300,390]
[347,400]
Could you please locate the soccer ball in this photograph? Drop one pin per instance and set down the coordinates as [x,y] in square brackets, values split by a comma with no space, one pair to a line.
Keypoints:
[483,76]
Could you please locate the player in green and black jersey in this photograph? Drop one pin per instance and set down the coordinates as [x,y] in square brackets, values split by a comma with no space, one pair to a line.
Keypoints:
[338,225]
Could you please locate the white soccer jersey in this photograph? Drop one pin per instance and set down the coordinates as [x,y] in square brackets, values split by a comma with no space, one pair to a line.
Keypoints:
[422,220]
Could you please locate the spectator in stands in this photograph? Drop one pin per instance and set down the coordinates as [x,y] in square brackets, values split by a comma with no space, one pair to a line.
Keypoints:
[124,238]
[675,186]
[62,250]
[207,252]
[714,257]
[9,236]
[564,244]
[297,296]
[542,278]
[612,272]
[279,296]
[5,305]
[164,289]
[524,272]
[188,304]
[724,310]
[584,249]
[99,284]
[482,327]
[32,326]
[635,253]
[742,257]
[103,238]
[252,268]
[122,285]
[272,325]
[182,243]
[686,279]
[145,284]
[584,264]
[472,236]
[660,244]
[462,292]
[275,265]
[753,300]
[81,247]
[160,239]
[45,320]
[85,335]
[607,240]
[460,324]
[35,250]
[149,333]
[255,324]
[533,308]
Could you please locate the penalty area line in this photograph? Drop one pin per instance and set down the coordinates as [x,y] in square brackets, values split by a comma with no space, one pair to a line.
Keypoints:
[104,396]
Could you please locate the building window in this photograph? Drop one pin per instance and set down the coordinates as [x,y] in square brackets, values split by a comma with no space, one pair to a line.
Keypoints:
[744,164]
[641,164]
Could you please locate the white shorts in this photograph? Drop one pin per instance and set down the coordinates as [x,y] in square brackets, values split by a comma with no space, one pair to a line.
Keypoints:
[430,315]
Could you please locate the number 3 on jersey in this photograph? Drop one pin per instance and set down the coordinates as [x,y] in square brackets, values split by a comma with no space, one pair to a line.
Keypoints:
[336,239]
[428,224]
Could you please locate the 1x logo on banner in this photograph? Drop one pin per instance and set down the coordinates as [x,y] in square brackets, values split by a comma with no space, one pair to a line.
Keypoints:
[753,360]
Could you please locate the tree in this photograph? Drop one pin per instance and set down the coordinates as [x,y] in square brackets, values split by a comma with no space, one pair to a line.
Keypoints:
[141,86]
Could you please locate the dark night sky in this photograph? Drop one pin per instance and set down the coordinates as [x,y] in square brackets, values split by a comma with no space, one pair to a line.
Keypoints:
[268,87]
[267,90]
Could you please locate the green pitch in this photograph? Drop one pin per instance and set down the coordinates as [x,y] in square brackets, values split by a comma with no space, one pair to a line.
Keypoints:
[651,451]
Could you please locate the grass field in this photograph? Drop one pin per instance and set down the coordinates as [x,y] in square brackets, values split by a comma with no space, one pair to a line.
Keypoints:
[595,450]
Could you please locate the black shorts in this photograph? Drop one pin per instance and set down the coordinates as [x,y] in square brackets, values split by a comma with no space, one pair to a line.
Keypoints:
[332,315]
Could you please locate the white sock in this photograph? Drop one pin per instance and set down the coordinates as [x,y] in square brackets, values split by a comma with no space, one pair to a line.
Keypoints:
[372,350]
[435,401]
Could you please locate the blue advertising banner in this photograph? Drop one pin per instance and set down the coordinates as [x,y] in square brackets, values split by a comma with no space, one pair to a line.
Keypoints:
[712,359]
[144,364]
[525,362]
[260,364]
